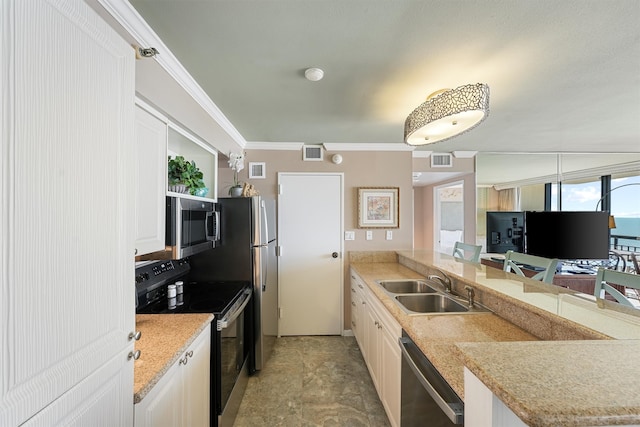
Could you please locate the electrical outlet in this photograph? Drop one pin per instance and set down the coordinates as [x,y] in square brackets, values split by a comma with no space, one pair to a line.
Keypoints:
[349,235]
[389,234]
[369,235]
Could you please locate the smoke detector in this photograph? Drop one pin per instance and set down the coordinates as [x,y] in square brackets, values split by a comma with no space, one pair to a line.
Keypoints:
[314,74]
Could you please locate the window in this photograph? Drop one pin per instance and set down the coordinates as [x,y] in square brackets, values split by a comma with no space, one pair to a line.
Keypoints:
[625,208]
[578,195]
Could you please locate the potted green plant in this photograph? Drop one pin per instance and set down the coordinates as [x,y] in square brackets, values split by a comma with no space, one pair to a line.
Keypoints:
[236,162]
[185,176]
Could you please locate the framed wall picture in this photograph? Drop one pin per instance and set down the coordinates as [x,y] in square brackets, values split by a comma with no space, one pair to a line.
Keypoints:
[378,207]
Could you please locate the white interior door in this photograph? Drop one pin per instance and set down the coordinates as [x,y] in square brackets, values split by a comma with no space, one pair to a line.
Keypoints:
[310,266]
[449,215]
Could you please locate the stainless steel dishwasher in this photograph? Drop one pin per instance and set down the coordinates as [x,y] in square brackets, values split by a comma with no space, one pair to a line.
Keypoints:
[426,398]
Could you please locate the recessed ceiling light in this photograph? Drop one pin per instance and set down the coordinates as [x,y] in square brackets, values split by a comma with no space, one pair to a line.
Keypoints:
[314,74]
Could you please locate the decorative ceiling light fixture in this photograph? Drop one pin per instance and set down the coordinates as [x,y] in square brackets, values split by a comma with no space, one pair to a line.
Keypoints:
[447,113]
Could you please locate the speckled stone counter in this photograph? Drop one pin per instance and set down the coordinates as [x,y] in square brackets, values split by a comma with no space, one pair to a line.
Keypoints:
[437,335]
[164,338]
[562,383]
[587,381]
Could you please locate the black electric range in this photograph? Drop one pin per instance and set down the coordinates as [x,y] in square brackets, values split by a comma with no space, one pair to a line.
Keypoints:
[163,287]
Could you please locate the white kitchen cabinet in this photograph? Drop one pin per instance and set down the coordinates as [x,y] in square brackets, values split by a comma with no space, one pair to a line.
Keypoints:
[482,408]
[151,179]
[67,230]
[381,351]
[358,312]
[182,396]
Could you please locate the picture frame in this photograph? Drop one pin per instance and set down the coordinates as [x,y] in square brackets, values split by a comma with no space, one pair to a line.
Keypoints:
[378,207]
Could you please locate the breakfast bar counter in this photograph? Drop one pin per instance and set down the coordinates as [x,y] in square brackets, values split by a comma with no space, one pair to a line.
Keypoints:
[561,383]
[533,352]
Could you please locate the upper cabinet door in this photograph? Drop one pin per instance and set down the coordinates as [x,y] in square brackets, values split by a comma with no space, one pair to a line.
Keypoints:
[67,226]
[151,179]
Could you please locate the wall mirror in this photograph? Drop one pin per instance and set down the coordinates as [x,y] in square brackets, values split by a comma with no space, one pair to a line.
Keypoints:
[530,171]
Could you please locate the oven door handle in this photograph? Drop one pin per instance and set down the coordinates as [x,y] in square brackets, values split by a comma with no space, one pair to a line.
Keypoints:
[232,316]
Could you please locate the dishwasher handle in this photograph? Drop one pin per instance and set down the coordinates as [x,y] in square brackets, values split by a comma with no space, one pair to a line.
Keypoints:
[453,411]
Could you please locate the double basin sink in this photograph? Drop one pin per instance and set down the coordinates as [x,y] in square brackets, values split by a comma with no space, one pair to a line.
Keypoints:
[420,297]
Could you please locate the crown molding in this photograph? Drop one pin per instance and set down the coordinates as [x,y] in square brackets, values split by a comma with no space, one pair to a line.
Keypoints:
[283,146]
[421,154]
[329,146]
[352,146]
[125,14]
[464,154]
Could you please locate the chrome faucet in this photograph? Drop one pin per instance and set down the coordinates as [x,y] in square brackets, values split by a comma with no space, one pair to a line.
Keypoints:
[444,280]
[470,294]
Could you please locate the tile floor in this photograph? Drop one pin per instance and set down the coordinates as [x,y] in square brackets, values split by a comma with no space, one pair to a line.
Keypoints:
[312,381]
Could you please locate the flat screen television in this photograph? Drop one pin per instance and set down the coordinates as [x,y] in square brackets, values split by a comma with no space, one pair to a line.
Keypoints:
[567,235]
[505,231]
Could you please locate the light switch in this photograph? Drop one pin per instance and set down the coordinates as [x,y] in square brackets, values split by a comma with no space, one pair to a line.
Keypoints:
[389,234]
[369,235]
[349,235]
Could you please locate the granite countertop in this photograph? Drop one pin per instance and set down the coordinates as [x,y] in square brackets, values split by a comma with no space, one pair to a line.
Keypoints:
[581,382]
[436,335]
[562,383]
[164,337]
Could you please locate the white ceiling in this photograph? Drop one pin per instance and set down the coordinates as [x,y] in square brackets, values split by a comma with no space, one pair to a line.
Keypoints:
[564,75]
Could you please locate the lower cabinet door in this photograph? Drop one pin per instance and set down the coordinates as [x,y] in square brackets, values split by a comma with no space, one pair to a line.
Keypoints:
[391,372]
[182,396]
[196,381]
[97,400]
[162,406]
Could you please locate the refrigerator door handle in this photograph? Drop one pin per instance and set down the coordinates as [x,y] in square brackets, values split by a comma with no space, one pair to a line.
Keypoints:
[264,238]
[265,267]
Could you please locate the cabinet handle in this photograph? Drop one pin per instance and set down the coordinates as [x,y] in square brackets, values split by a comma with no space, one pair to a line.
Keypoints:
[353,303]
[353,290]
[187,355]
[135,355]
[136,251]
[135,335]
[360,286]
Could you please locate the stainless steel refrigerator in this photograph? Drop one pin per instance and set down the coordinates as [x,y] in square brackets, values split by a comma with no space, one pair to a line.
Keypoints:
[247,251]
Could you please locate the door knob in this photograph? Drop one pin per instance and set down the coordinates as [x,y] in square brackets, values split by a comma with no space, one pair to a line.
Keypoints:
[334,255]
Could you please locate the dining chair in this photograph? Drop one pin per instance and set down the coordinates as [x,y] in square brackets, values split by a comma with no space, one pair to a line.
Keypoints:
[512,259]
[467,252]
[636,263]
[606,281]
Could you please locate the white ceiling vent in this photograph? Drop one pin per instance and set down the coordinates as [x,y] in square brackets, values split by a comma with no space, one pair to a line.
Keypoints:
[441,160]
[312,153]
[257,170]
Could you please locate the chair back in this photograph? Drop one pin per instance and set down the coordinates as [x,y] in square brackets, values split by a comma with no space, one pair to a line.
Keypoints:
[467,252]
[606,278]
[636,263]
[512,259]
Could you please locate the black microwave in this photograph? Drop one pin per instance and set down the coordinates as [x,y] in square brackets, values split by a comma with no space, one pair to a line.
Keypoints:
[192,226]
